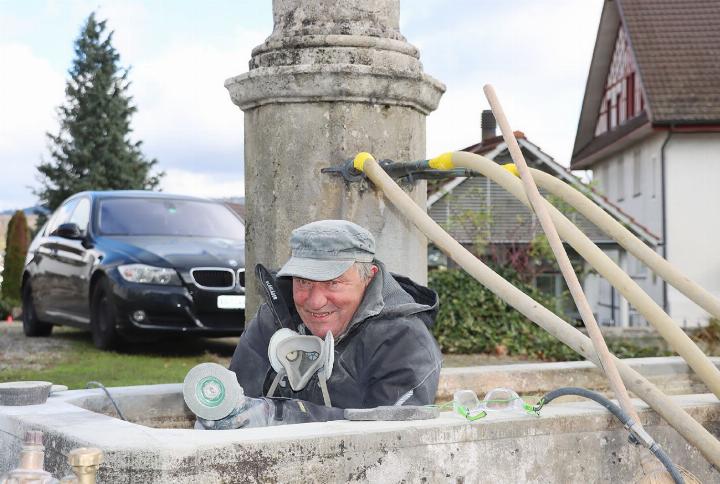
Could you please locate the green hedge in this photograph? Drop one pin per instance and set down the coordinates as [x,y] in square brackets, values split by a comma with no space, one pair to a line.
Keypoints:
[6,309]
[473,320]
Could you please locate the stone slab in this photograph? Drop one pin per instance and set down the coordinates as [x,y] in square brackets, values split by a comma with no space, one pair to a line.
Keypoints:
[672,374]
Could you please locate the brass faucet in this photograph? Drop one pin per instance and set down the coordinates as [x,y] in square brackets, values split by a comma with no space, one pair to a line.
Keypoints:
[85,462]
[32,458]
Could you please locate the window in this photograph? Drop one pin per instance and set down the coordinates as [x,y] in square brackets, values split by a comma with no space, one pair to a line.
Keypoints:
[61,216]
[620,179]
[653,176]
[165,216]
[622,98]
[630,95]
[637,173]
[639,270]
[436,258]
[553,284]
[81,214]
[605,178]
[608,112]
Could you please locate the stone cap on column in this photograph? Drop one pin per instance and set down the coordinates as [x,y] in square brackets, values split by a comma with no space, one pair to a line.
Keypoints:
[335,50]
[372,18]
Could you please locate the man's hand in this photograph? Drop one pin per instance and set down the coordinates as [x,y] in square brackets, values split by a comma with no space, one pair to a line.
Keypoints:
[252,412]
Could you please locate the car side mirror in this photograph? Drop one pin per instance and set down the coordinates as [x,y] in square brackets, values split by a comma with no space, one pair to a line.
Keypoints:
[69,231]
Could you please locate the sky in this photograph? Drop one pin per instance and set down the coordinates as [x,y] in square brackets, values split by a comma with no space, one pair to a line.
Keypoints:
[536,53]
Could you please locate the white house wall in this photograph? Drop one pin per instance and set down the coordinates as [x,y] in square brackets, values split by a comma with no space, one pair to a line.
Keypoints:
[638,192]
[693,224]
[615,177]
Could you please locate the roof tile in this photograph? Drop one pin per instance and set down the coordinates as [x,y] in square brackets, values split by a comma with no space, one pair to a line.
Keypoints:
[677,49]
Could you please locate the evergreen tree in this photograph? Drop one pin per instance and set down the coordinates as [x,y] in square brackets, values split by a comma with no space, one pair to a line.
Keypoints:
[18,239]
[93,150]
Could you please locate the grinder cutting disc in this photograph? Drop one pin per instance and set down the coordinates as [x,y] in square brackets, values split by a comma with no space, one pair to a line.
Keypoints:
[211,391]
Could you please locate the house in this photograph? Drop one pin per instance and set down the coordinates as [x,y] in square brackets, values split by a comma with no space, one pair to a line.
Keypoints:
[506,224]
[649,130]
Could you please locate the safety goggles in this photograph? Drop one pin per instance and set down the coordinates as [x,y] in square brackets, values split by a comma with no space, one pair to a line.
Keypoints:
[467,404]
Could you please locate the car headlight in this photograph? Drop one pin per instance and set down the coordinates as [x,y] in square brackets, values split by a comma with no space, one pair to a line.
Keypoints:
[145,274]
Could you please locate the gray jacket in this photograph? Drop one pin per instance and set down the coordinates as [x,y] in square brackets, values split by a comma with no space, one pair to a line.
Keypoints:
[386,351]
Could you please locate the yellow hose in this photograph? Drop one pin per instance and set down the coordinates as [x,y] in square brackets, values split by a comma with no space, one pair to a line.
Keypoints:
[667,328]
[686,426]
[629,241]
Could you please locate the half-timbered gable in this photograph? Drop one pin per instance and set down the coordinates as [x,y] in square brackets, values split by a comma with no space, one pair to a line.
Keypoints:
[623,97]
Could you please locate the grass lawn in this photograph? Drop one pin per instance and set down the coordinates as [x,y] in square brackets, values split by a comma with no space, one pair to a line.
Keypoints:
[111,369]
[68,357]
[75,361]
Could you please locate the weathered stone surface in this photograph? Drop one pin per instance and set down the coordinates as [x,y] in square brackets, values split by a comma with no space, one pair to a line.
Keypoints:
[671,374]
[374,18]
[336,77]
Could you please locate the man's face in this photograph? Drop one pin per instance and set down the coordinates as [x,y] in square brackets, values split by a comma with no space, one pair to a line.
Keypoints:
[329,305]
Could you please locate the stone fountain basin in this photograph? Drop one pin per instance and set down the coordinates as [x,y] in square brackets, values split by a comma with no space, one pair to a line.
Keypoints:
[571,441]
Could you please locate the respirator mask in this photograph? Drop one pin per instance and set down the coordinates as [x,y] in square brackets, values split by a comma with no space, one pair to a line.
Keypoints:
[297,358]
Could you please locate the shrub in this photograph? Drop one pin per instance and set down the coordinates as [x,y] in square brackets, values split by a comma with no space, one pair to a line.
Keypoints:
[710,333]
[709,337]
[473,320]
[18,239]
[624,348]
[5,309]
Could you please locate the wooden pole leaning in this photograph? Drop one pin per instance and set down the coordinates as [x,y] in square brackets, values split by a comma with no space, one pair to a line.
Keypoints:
[666,327]
[566,268]
[685,425]
[629,241]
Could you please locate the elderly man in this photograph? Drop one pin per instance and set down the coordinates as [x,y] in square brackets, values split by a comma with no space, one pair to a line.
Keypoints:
[384,353]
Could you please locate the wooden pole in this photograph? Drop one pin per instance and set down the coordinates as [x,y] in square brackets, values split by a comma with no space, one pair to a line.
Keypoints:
[666,327]
[686,426]
[566,268]
[694,291]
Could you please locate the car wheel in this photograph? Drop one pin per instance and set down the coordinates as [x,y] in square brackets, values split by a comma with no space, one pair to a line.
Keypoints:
[32,326]
[103,317]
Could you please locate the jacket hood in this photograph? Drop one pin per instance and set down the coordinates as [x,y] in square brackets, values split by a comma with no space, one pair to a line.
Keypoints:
[392,295]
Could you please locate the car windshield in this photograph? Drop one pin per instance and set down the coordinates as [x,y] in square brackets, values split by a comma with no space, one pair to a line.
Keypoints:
[157,216]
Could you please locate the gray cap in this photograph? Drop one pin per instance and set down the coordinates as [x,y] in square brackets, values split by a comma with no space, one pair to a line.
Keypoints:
[325,249]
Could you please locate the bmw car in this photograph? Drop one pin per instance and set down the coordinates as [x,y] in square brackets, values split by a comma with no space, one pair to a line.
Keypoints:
[133,265]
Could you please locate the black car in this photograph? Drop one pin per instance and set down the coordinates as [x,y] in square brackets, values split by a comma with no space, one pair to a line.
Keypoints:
[133,264]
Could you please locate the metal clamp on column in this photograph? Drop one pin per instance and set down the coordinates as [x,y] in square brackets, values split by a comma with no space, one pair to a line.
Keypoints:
[398,170]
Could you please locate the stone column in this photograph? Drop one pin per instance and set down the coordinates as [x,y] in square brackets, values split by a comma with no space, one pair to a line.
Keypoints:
[334,78]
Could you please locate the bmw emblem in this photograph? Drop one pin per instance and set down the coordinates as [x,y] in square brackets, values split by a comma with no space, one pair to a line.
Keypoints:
[233,262]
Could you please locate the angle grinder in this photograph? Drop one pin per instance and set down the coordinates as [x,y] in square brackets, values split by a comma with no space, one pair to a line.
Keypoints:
[211,391]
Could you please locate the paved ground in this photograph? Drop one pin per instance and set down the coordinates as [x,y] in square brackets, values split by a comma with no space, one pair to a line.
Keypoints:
[19,351]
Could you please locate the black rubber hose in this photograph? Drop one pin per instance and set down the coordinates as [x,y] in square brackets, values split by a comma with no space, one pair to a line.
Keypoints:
[665,459]
[619,414]
[112,400]
[583,392]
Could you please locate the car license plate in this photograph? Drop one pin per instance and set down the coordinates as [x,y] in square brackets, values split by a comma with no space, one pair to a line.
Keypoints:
[231,302]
